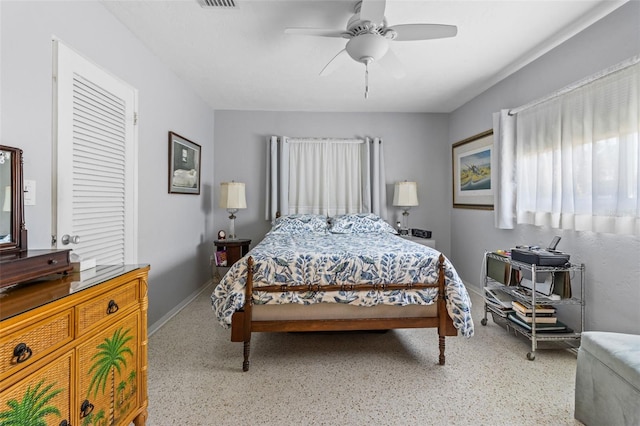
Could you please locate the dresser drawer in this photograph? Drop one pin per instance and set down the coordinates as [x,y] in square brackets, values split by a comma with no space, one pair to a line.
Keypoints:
[31,343]
[33,264]
[107,306]
[52,380]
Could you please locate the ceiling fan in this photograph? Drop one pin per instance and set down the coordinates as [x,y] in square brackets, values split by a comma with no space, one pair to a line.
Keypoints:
[369,38]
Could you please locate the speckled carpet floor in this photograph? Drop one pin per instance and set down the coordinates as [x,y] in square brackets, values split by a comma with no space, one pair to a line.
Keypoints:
[392,378]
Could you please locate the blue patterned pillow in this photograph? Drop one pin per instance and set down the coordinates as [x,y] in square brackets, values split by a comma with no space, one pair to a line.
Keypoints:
[359,224]
[299,224]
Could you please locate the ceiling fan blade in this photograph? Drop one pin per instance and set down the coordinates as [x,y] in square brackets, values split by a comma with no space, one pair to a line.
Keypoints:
[335,63]
[392,64]
[408,32]
[321,32]
[372,10]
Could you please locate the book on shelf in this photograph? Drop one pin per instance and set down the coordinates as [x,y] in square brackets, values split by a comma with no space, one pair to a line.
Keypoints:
[498,298]
[501,312]
[538,314]
[221,258]
[498,308]
[539,319]
[540,309]
[558,327]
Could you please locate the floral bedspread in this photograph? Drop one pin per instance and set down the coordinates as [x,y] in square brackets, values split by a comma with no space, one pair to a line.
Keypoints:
[369,258]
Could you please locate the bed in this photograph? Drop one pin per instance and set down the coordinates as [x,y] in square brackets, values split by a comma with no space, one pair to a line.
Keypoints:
[350,273]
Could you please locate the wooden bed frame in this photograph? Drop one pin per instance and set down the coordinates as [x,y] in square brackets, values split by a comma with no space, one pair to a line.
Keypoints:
[242,323]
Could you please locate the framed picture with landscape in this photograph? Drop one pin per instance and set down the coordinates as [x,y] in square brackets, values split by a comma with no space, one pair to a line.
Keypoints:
[473,183]
[184,165]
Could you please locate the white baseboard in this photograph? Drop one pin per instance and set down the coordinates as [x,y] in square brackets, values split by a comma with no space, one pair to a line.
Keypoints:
[162,321]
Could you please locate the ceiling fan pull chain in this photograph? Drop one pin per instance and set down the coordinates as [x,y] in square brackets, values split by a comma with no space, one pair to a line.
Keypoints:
[366,80]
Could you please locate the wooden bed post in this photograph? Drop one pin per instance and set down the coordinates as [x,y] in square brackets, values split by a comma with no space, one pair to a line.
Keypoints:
[248,305]
[443,315]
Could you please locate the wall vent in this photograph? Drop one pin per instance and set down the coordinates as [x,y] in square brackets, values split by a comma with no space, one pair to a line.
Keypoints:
[218,4]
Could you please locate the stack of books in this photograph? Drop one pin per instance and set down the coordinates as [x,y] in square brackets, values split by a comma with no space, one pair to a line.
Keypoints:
[544,313]
[545,318]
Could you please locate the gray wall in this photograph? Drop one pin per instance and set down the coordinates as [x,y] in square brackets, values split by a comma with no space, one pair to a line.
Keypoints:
[415,148]
[612,261]
[174,230]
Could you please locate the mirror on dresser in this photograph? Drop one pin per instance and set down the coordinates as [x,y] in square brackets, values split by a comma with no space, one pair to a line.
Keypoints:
[17,263]
[13,234]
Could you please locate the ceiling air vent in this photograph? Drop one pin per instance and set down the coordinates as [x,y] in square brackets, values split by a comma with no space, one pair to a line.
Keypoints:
[218,4]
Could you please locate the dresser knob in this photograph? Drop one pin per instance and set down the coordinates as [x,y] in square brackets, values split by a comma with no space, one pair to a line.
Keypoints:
[113,307]
[52,262]
[85,409]
[22,352]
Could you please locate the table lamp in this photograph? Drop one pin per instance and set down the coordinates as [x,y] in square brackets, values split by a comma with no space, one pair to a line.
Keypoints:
[405,196]
[232,198]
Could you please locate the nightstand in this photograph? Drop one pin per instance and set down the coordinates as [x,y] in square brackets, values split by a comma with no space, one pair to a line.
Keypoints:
[235,249]
[424,241]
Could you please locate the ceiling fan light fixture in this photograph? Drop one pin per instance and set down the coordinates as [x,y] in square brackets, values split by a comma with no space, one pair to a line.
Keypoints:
[369,35]
[367,47]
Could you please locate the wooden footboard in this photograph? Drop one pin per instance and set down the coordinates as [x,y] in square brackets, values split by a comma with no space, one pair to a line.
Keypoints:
[242,324]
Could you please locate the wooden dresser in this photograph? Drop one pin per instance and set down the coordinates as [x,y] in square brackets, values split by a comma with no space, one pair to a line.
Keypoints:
[73,349]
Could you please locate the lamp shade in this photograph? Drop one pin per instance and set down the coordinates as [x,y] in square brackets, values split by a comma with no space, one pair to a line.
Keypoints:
[232,195]
[405,194]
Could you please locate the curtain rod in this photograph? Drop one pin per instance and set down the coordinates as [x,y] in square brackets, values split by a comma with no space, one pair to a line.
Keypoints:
[618,67]
[327,140]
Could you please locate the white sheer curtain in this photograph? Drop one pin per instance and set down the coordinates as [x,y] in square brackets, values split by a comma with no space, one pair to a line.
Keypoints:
[376,190]
[325,176]
[577,157]
[504,194]
[277,179]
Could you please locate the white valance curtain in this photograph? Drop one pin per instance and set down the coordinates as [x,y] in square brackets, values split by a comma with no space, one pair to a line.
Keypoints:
[325,176]
[572,161]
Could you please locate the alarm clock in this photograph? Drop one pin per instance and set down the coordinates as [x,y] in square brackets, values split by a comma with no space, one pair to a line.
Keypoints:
[421,233]
[222,235]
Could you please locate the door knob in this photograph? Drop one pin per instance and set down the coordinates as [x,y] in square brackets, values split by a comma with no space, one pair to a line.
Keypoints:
[70,239]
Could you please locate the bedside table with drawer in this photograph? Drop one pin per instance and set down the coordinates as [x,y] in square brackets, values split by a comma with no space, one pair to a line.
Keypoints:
[235,249]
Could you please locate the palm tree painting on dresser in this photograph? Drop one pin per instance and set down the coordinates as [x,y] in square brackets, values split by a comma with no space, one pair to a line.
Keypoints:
[111,357]
[95,419]
[33,408]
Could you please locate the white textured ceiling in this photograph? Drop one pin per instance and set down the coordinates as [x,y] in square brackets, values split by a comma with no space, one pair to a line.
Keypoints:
[240,59]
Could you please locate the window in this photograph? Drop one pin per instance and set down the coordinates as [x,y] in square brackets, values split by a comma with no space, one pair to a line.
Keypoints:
[325,176]
[577,157]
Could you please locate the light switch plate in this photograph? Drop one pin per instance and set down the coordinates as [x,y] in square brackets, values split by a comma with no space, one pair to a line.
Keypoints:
[29,192]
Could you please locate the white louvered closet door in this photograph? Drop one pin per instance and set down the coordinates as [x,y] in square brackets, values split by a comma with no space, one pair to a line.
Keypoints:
[95,163]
